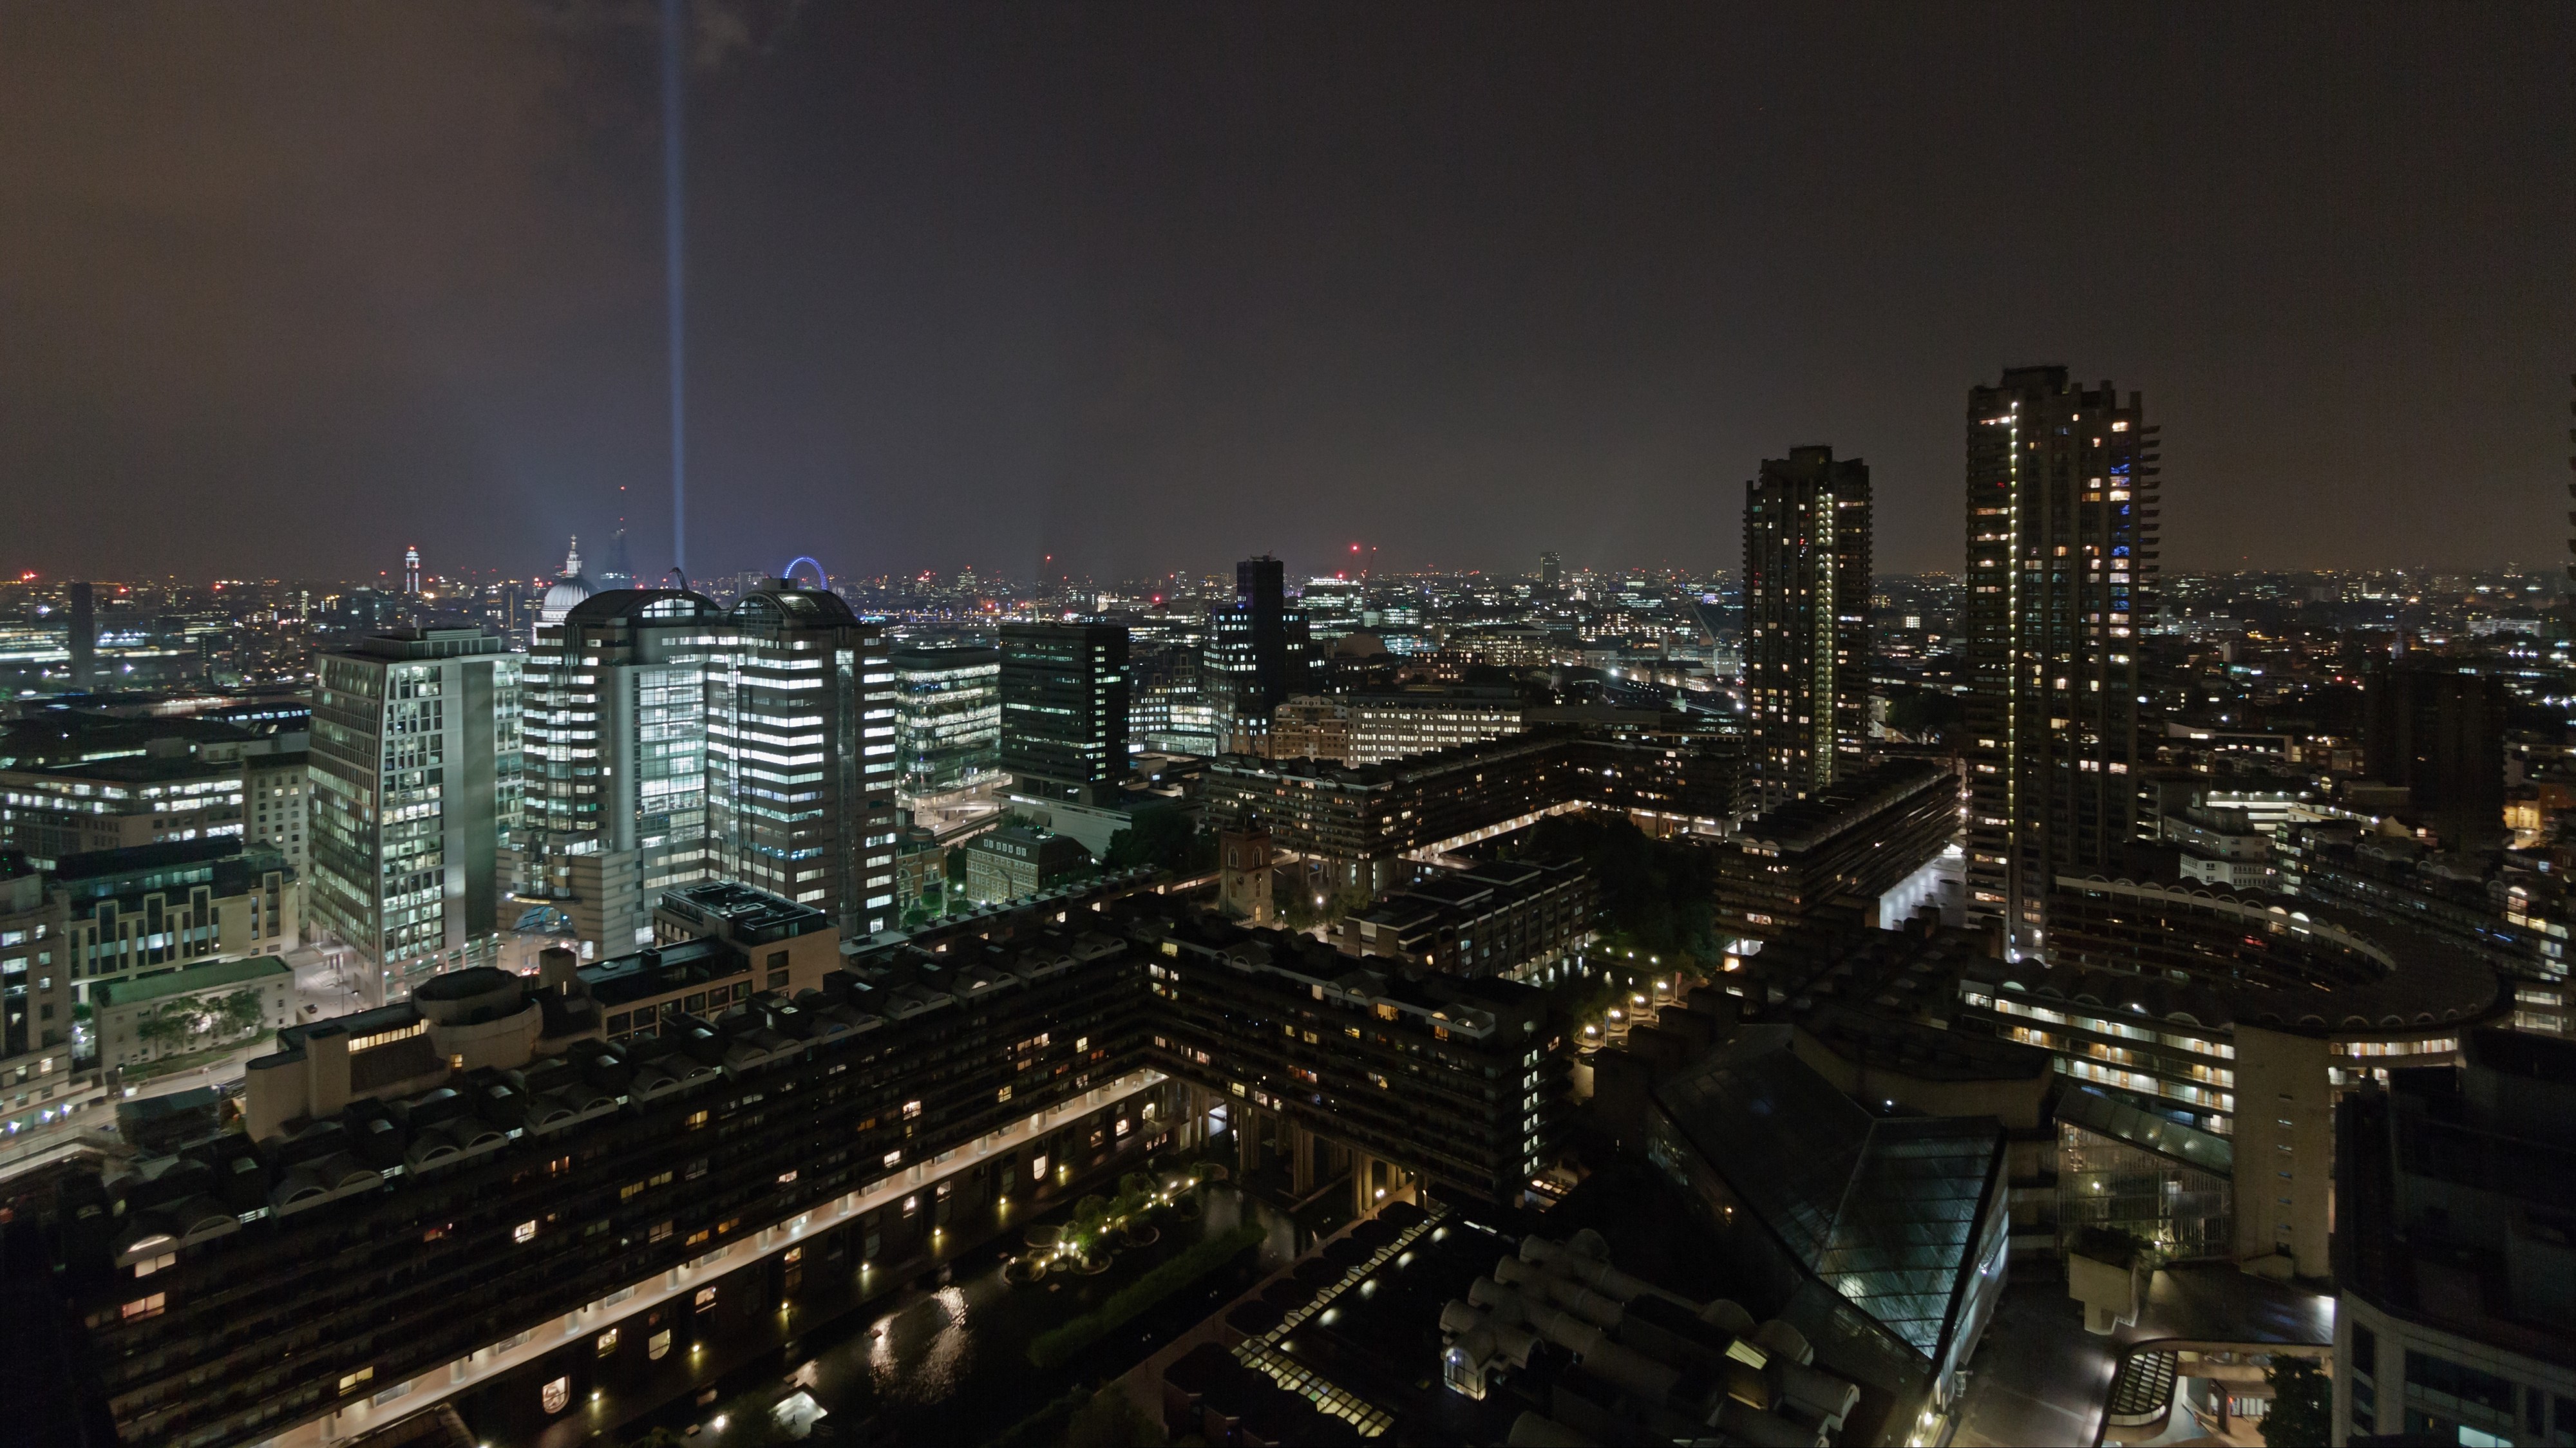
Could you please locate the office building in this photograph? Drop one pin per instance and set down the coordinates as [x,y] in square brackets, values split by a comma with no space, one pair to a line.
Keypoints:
[1374,728]
[1806,620]
[35,998]
[948,717]
[1855,843]
[2439,735]
[1334,608]
[2061,508]
[1551,571]
[1015,861]
[801,757]
[1357,823]
[157,908]
[2455,1311]
[276,800]
[1258,652]
[75,782]
[196,1008]
[1170,712]
[83,642]
[1064,710]
[616,749]
[414,771]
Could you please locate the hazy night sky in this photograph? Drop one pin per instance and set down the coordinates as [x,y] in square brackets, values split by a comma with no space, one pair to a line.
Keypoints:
[285,287]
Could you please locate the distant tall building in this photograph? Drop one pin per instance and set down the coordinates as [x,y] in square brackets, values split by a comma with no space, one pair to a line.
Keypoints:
[1064,709]
[84,639]
[1551,571]
[801,756]
[414,777]
[2439,734]
[1333,607]
[948,717]
[2061,494]
[616,745]
[1257,653]
[1806,620]
[411,572]
[617,567]
[1171,709]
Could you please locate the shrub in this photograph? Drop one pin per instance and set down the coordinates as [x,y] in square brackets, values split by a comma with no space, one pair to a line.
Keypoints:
[1059,1345]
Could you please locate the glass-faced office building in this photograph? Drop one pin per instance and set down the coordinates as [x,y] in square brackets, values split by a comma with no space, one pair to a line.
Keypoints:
[415,774]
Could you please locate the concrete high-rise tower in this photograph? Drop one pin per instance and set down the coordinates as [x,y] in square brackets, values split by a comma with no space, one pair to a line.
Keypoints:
[411,572]
[2061,507]
[1806,620]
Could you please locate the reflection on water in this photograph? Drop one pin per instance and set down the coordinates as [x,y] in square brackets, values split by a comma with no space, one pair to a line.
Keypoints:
[921,1354]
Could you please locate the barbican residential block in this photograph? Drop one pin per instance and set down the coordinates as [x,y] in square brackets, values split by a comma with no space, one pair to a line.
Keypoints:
[1806,620]
[2061,509]
[551,1199]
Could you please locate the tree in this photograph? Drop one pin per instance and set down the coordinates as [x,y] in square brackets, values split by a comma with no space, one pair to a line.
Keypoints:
[1300,910]
[1657,894]
[1111,1420]
[2302,1413]
[1161,835]
[159,1028]
[239,1013]
[1925,714]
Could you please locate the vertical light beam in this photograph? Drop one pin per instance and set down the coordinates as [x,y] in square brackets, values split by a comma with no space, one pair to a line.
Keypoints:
[674,57]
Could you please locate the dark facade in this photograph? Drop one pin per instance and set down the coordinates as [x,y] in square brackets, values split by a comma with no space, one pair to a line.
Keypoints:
[1064,709]
[1493,919]
[2061,508]
[1806,620]
[1362,819]
[1456,1078]
[309,1271]
[2439,734]
[2457,1283]
[515,1236]
[1257,651]
[1853,841]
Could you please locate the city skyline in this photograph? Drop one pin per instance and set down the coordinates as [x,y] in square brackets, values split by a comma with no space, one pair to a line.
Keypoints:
[1134,281]
[1840,657]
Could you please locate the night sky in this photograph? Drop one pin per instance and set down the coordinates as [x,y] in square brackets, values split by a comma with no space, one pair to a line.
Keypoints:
[285,287]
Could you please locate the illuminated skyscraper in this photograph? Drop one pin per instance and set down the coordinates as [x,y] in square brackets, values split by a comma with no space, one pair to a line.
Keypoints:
[1806,620]
[616,749]
[948,716]
[411,572]
[801,756]
[2061,502]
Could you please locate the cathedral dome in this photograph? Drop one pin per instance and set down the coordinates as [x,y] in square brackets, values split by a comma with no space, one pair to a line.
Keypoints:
[569,591]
